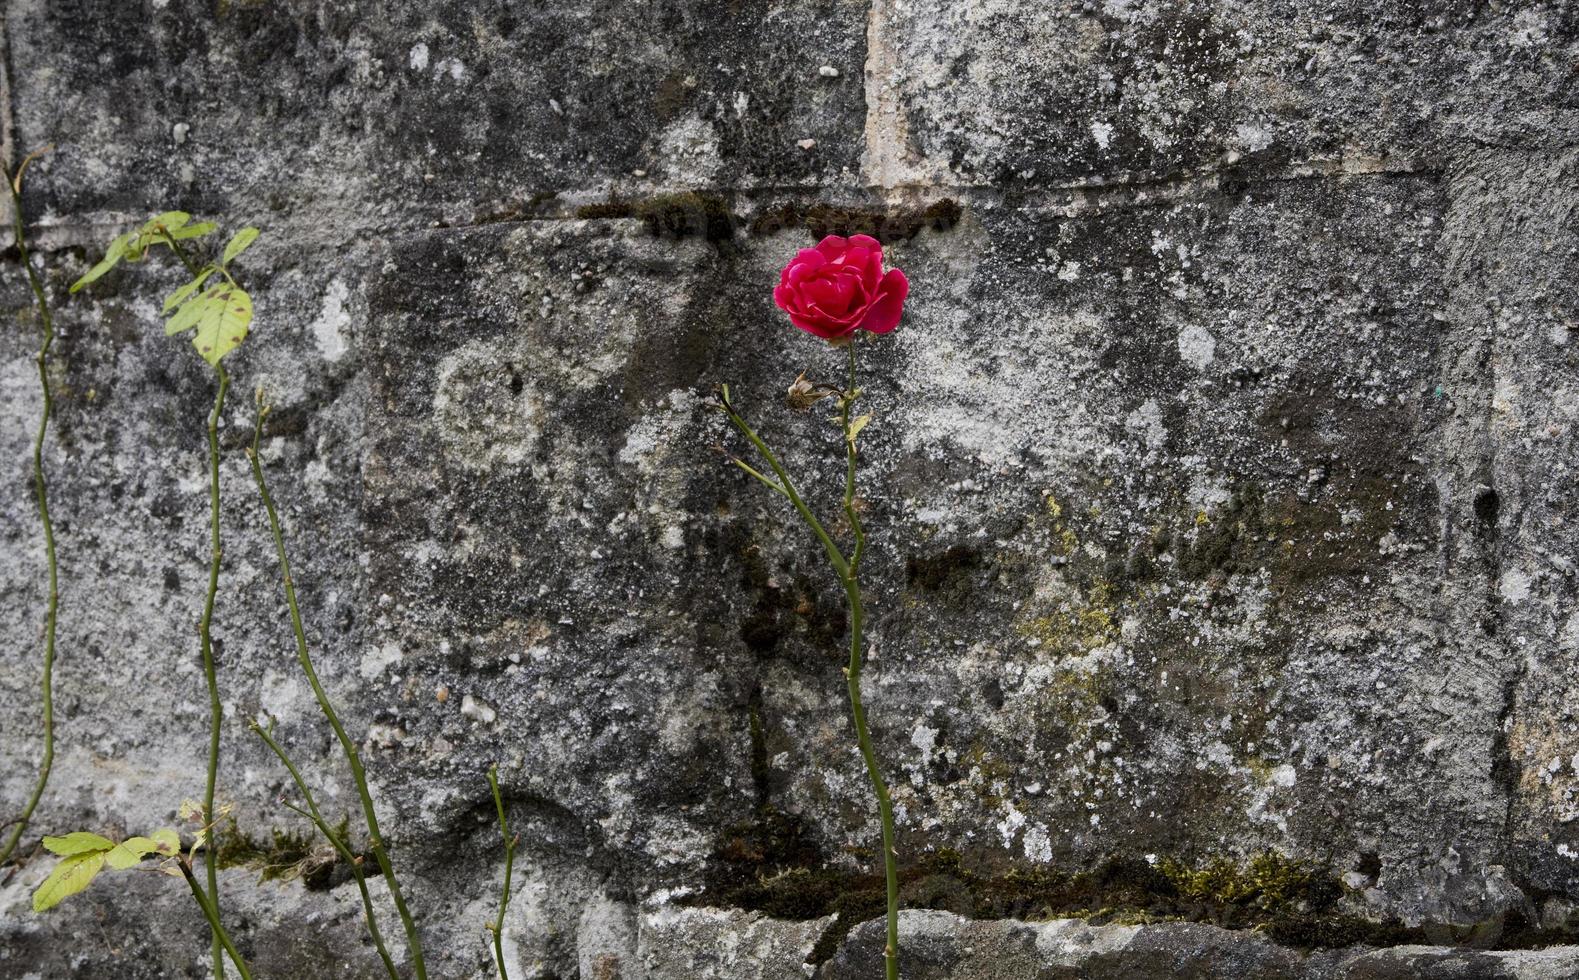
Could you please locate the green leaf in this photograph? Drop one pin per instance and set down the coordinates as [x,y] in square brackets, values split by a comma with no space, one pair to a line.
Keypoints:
[112,256]
[130,851]
[194,231]
[71,875]
[166,841]
[80,842]
[191,313]
[179,296]
[223,324]
[168,221]
[239,243]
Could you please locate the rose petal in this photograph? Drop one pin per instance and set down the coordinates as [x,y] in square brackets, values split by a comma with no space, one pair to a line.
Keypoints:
[832,247]
[885,312]
[867,242]
[826,331]
[802,268]
[855,258]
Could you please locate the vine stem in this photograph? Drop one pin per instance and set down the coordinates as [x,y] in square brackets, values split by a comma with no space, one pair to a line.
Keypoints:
[211,912]
[216,711]
[847,570]
[375,838]
[40,490]
[497,926]
[312,813]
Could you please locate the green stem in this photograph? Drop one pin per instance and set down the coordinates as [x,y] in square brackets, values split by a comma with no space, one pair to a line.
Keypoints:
[216,711]
[497,926]
[852,676]
[40,492]
[375,838]
[211,912]
[835,558]
[340,846]
[847,570]
[180,253]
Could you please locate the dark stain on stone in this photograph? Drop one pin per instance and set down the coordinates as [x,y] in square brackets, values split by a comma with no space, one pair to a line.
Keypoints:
[992,693]
[779,603]
[1488,507]
[684,215]
[884,225]
[934,572]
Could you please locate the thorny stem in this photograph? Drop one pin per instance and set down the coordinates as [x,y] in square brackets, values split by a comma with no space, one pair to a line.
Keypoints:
[497,926]
[375,838]
[847,570]
[216,711]
[47,761]
[211,912]
[311,813]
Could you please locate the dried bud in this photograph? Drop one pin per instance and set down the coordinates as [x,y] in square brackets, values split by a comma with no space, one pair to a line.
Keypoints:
[803,394]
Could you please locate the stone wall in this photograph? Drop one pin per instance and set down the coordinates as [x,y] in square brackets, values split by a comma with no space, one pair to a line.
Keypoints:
[1221,485]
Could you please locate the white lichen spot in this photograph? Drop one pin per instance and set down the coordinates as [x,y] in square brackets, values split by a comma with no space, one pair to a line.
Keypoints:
[1515,586]
[1284,776]
[333,319]
[924,738]
[1038,845]
[1146,423]
[419,57]
[379,659]
[280,695]
[478,710]
[1197,346]
[1253,137]
[673,537]
[1529,29]
[1010,825]
[1103,134]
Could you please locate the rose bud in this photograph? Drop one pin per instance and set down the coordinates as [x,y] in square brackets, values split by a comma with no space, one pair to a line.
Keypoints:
[839,287]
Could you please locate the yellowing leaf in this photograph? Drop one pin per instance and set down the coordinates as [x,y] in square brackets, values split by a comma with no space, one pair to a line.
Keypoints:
[112,256]
[80,842]
[856,425]
[180,295]
[129,852]
[190,810]
[223,324]
[70,876]
[239,243]
[166,842]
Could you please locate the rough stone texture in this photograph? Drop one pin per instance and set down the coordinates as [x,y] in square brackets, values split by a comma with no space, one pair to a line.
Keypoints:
[1221,486]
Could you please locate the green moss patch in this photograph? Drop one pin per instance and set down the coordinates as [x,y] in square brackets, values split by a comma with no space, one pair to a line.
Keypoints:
[1294,902]
[284,855]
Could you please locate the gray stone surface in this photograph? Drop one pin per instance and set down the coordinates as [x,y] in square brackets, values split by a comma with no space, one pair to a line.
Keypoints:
[1221,486]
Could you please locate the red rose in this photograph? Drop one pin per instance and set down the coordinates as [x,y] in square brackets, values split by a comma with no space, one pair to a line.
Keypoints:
[839,287]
